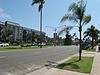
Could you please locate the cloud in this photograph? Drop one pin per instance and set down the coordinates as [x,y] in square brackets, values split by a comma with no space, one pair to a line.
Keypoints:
[4,15]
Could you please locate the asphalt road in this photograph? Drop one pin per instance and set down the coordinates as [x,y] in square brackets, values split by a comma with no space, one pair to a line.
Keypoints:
[20,62]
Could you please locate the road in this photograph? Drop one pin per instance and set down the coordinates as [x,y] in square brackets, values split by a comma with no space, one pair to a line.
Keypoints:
[20,62]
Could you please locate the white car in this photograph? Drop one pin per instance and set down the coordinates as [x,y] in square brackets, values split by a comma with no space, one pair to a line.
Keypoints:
[4,44]
[98,44]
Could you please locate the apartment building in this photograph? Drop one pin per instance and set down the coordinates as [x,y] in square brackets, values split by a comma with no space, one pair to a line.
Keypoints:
[17,30]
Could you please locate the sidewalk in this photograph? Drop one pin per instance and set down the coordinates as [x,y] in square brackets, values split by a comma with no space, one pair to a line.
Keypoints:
[54,71]
[96,65]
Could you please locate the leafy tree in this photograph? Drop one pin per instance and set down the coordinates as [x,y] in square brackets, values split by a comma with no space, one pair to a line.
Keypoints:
[6,35]
[33,37]
[77,15]
[40,2]
[93,33]
[29,37]
[24,35]
[68,39]
[0,33]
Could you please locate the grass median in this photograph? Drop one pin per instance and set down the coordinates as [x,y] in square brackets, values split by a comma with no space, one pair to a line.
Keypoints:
[15,48]
[83,66]
[91,49]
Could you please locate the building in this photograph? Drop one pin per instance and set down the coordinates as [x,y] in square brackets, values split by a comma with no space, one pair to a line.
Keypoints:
[19,33]
[15,28]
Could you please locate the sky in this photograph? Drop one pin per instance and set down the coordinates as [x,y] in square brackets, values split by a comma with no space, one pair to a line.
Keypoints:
[22,12]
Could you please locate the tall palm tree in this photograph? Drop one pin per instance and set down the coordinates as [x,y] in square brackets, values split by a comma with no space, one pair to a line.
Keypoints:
[40,2]
[77,15]
[93,33]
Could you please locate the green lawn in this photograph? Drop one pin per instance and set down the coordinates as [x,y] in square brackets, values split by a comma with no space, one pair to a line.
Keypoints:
[90,49]
[12,48]
[83,66]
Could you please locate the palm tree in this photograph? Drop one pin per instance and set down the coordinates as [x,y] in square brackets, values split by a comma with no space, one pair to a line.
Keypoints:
[40,2]
[93,33]
[77,15]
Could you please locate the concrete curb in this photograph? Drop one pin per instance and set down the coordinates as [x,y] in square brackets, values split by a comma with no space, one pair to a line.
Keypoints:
[62,61]
[48,68]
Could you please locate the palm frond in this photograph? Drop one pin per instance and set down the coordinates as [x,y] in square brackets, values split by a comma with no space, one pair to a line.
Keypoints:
[61,32]
[70,17]
[73,7]
[86,19]
[35,2]
[86,34]
[65,30]
[91,32]
[64,18]
[40,7]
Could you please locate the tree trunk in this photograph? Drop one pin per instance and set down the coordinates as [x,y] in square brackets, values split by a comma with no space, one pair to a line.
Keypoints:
[92,43]
[80,46]
[41,27]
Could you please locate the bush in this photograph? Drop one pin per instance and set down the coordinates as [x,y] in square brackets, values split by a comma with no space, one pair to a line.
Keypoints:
[25,45]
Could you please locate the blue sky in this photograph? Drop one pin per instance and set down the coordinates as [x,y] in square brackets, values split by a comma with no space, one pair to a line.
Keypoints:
[21,11]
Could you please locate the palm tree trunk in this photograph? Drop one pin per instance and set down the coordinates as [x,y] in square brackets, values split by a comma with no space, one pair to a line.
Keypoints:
[80,30]
[80,45]
[92,43]
[41,27]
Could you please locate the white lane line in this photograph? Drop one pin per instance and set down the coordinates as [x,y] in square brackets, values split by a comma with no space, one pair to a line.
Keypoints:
[2,57]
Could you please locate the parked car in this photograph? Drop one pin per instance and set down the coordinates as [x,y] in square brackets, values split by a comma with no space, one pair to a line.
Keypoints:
[98,44]
[43,44]
[85,46]
[4,44]
[34,44]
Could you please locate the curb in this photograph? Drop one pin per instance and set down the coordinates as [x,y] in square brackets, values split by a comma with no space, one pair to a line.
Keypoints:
[46,67]
[62,61]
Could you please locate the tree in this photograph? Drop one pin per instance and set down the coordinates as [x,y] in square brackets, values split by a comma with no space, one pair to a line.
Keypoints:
[25,36]
[0,33]
[6,35]
[40,2]
[93,33]
[29,37]
[68,39]
[33,36]
[77,15]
